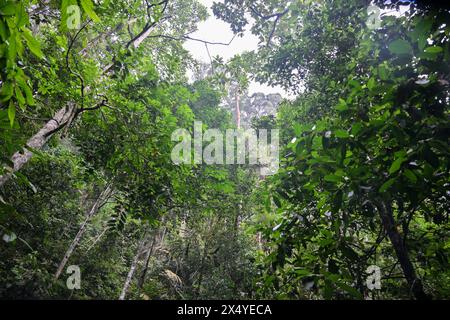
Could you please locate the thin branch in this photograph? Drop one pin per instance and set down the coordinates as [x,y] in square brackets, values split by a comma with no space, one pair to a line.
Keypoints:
[68,62]
[186,37]
[277,17]
[210,59]
[269,40]
[148,26]
[267,17]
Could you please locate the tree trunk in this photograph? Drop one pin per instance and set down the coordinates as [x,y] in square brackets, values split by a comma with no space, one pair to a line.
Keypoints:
[36,142]
[238,110]
[133,266]
[385,212]
[158,238]
[94,209]
[200,277]
[148,255]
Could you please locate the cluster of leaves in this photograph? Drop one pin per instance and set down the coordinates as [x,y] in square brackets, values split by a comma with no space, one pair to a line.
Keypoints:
[370,128]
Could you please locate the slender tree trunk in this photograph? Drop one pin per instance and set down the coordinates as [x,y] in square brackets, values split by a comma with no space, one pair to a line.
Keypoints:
[97,239]
[36,142]
[133,266]
[387,218]
[200,277]
[94,209]
[259,240]
[158,238]
[148,255]
[238,110]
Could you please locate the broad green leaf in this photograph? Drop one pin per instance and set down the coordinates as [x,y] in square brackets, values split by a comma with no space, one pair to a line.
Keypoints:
[22,16]
[88,7]
[3,31]
[225,187]
[26,89]
[8,9]
[342,106]
[356,128]
[434,49]
[302,273]
[32,43]
[371,83]
[396,165]
[6,91]
[341,134]
[332,178]
[386,185]
[383,72]
[11,113]
[410,175]
[19,96]
[400,47]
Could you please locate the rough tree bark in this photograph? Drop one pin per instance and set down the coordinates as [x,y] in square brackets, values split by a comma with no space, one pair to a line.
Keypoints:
[387,219]
[36,142]
[104,195]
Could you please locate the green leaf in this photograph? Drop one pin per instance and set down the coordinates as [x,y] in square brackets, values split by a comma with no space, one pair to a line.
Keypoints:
[6,91]
[434,49]
[33,43]
[341,134]
[410,175]
[332,178]
[9,9]
[386,185]
[356,128]
[11,113]
[19,96]
[88,7]
[342,106]
[302,273]
[224,187]
[22,16]
[396,165]
[383,72]
[371,83]
[352,291]
[3,31]
[400,47]
[26,89]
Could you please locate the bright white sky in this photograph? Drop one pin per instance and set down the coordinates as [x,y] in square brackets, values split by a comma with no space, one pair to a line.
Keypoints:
[216,30]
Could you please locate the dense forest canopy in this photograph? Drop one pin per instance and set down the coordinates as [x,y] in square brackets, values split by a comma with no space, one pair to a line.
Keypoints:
[93,206]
